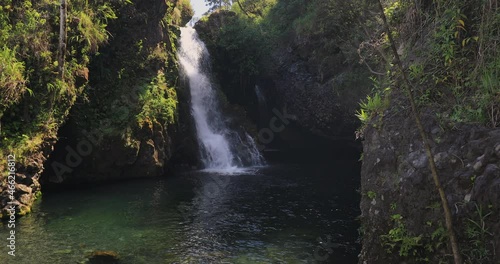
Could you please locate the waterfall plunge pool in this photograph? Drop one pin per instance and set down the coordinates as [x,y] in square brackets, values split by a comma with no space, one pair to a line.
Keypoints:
[289,213]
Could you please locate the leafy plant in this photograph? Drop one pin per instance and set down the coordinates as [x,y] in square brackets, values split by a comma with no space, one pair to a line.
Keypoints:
[489,98]
[398,238]
[371,194]
[478,235]
[371,107]
[363,116]
[91,24]
[159,102]
[12,81]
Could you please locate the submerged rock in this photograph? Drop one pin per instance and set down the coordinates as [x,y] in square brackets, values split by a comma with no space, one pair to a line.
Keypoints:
[103,257]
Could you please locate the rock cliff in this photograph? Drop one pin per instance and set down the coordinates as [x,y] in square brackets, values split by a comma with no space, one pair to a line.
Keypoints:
[124,113]
[402,218]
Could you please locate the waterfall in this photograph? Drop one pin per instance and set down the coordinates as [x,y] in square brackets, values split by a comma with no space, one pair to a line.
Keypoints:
[221,148]
[261,99]
[262,106]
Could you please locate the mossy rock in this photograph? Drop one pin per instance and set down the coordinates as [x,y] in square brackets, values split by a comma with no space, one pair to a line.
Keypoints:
[24,210]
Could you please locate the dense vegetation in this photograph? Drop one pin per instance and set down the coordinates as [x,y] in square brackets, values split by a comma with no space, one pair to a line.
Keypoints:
[36,100]
[254,31]
[448,47]
[449,50]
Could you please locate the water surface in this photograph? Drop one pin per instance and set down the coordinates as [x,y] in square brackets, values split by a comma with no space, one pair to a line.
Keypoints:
[278,214]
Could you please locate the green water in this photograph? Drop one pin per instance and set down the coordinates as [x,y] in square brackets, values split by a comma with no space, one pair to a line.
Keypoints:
[278,214]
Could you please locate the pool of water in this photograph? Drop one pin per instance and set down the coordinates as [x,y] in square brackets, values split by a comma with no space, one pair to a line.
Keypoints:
[289,213]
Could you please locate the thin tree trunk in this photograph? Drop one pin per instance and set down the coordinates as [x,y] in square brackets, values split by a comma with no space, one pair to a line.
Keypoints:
[242,9]
[444,201]
[62,37]
[61,48]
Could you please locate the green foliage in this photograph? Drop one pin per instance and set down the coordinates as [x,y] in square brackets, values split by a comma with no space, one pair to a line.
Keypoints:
[478,235]
[243,43]
[218,4]
[34,101]
[454,61]
[461,62]
[363,116]
[12,81]
[239,40]
[488,99]
[371,194]
[134,87]
[392,9]
[399,238]
[30,139]
[159,102]
[256,9]
[447,34]
[59,87]
[416,72]
[411,246]
[438,239]
[373,106]
[182,13]
[239,51]
[330,26]
[92,34]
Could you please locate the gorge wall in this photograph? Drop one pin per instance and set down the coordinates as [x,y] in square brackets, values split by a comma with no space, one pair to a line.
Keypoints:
[402,218]
[124,112]
[299,77]
[123,128]
[115,113]
[314,58]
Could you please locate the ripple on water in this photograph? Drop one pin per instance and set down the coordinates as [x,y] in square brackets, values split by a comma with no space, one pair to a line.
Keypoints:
[261,215]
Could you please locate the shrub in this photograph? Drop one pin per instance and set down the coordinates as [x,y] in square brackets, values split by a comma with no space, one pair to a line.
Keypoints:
[159,102]
[12,81]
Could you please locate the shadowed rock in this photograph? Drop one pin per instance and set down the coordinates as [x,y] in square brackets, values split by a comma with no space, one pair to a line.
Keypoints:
[103,257]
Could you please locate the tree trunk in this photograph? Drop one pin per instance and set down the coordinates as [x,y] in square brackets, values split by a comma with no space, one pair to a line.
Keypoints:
[62,37]
[444,201]
[242,9]
[61,57]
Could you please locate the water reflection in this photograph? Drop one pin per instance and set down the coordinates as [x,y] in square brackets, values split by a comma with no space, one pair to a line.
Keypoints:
[278,214]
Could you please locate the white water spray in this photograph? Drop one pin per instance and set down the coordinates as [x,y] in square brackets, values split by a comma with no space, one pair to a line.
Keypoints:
[214,137]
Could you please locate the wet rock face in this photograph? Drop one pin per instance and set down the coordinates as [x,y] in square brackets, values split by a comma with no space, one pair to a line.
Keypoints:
[24,196]
[110,158]
[320,90]
[27,186]
[396,174]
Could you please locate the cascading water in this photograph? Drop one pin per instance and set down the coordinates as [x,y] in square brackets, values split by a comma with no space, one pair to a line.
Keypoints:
[261,99]
[262,103]
[214,137]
